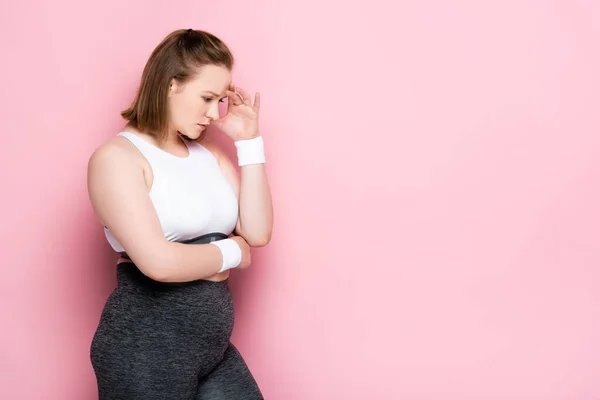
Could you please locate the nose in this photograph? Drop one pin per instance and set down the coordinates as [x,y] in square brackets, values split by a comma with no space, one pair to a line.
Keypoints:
[213,111]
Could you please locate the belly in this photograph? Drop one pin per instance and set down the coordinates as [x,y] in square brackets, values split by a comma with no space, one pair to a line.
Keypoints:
[192,317]
[142,329]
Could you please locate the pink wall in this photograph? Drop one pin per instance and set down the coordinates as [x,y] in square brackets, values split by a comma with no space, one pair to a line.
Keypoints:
[435,167]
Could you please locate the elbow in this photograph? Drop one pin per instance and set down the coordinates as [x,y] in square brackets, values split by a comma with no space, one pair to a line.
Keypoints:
[158,274]
[156,266]
[257,234]
[258,241]
[155,271]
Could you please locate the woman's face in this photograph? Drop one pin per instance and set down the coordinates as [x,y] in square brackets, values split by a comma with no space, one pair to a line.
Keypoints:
[195,104]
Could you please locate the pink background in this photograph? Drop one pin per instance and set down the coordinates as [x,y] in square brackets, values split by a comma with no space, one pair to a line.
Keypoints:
[436,176]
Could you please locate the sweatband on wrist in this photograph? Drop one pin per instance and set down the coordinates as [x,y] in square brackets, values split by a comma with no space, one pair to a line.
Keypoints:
[232,254]
[250,151]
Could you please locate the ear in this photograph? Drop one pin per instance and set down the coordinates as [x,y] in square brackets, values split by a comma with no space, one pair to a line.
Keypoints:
[173,86]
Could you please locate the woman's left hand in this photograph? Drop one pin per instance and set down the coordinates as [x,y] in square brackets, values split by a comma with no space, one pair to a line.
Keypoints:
[241,121]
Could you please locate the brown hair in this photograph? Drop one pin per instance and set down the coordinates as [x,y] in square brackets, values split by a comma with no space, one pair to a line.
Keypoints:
[178,56]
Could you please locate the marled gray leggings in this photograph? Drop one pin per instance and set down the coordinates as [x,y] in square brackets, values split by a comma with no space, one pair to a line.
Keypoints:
[162,341]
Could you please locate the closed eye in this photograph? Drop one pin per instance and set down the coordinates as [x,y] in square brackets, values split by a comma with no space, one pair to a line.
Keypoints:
[209,99]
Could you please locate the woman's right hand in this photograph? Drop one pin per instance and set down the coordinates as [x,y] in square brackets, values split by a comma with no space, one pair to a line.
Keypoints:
[245,247]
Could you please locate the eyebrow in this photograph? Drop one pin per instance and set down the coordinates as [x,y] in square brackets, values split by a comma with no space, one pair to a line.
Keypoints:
[213,93]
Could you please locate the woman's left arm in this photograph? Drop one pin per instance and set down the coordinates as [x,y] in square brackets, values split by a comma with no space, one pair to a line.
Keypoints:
[251,186]
[255,222]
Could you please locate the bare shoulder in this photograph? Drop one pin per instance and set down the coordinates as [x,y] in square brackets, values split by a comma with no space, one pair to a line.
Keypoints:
[117,149]
[114,170]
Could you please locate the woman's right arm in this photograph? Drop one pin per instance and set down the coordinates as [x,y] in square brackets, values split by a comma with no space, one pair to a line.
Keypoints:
[120,199]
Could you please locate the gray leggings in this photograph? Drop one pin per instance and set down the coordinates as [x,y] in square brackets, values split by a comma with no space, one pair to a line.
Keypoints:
[162,341]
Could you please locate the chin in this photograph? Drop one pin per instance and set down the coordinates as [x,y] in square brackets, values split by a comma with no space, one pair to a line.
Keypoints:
[188,137]
[193,134]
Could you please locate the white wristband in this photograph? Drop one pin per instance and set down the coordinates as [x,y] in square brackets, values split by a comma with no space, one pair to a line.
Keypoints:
[250,151]
[231,251]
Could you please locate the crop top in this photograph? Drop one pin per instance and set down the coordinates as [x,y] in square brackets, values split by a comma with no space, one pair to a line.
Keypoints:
[190,194]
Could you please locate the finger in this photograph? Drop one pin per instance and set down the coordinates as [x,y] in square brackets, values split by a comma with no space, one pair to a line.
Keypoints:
[226,97]
[234,98]
[245,96]
[230,90]
[256,106]
[238,98]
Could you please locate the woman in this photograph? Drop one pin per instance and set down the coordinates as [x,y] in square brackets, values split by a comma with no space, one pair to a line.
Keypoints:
[181,218]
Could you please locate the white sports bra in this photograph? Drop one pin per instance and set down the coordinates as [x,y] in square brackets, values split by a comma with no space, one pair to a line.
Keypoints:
[191,195]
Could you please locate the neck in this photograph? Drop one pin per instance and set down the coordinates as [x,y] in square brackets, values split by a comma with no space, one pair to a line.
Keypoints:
[172,143]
